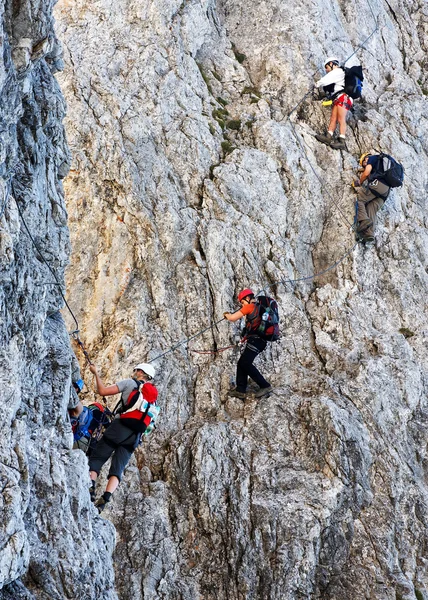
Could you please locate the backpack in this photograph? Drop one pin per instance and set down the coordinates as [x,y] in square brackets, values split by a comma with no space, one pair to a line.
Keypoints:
[142,410]
[265,323]
[388,170]
[353,81]
[88,428]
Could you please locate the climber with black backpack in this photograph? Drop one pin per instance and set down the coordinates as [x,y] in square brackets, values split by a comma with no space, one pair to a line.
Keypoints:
[379,173]
[261,326]
[342,85]
[135,415]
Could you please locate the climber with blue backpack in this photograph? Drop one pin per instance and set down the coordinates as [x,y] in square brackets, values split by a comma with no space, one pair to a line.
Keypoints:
[261,326]
[87,424]
[342,85]
[135,415]
[379,173]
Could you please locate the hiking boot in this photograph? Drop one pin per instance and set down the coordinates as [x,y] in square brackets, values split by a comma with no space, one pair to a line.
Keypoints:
[364,225]
[339,144]
[235,394]
[263,392]
[325,139]
[101,504]
[367,239]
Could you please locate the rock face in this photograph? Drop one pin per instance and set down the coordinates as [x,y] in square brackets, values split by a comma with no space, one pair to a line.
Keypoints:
[187,183]
[52,542]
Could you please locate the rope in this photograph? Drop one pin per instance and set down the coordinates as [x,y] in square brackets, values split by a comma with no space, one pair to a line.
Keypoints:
[75,335]
[187,340]
[322,184]
[212,351]
[42,257]
[6,198]
[309,277]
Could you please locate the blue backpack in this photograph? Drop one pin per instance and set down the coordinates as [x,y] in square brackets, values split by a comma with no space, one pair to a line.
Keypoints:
[89,426]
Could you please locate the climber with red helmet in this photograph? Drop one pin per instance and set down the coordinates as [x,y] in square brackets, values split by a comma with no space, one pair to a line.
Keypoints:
[254,346]
[134,415]
[333,84]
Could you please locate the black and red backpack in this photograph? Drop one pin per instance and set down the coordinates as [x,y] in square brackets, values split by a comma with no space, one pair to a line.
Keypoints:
[264,320]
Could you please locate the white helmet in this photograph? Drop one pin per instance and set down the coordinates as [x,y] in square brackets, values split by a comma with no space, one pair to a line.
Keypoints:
[332,59]
[147,368]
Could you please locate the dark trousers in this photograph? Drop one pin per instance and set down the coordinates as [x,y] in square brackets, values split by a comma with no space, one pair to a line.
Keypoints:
[119,441]
[369,204]
[245,367]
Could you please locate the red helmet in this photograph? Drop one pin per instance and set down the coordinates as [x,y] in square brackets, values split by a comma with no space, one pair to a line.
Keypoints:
[244,294]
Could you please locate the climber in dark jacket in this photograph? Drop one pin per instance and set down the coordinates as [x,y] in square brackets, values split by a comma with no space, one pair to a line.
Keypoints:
[371,195]
[254,346]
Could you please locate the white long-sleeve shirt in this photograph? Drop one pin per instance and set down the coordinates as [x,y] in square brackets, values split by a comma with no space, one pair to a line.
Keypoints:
[336,76]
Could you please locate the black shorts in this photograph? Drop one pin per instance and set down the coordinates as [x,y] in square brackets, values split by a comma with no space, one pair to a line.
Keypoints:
[119,442]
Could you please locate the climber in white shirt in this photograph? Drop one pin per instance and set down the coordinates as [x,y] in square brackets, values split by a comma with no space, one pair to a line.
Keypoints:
[333,85]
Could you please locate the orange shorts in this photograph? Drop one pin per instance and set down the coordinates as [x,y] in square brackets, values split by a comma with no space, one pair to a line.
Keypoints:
[343,100]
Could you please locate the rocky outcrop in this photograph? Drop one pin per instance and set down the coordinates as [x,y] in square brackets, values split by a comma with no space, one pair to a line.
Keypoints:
[187,183]
[52,542]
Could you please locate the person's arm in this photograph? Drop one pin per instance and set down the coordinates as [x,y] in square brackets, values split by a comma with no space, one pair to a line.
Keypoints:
[365,173]
[333,77]
[103,390]
[233,316]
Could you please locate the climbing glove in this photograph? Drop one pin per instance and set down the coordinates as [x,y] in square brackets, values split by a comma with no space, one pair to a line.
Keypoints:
[356,183]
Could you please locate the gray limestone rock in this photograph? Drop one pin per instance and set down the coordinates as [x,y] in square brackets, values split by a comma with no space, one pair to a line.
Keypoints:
[188,182]
[52,542]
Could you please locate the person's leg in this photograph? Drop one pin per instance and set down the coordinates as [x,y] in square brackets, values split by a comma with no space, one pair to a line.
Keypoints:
[333,120]
[120,459]
[258,345]
[99,457]
[103,450]
[364,196]
[372,209]
[245,367]
[112,484]
[368,206]
[328,137]
[342,113]
[343,104]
